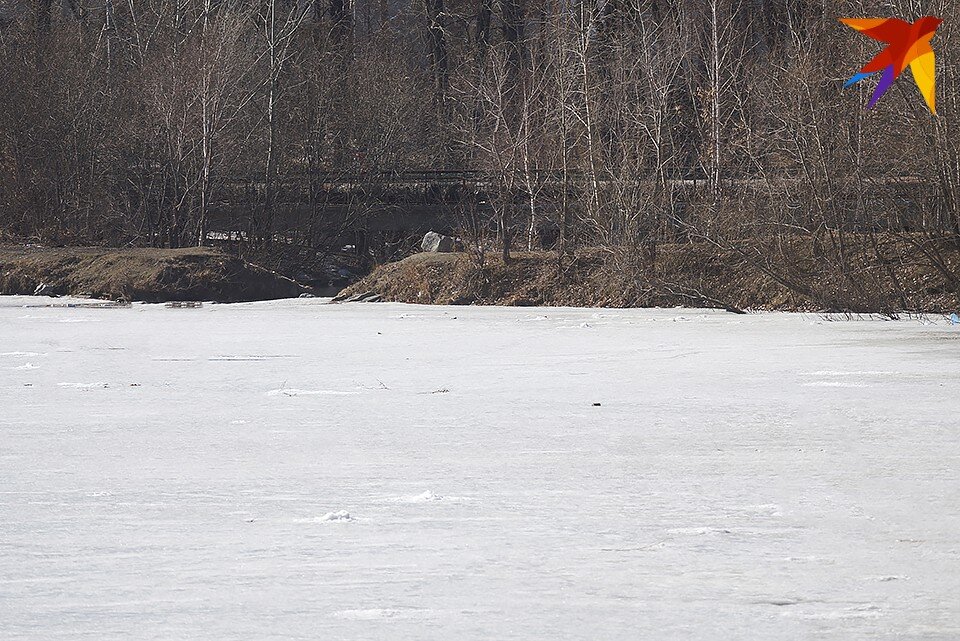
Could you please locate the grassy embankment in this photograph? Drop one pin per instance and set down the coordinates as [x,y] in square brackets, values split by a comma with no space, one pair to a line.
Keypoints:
[151,275]
[893,277]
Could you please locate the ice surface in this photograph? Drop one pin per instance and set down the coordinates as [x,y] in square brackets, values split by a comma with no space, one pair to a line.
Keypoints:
[768,477]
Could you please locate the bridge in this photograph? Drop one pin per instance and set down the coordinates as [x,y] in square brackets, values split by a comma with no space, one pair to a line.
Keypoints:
[385,207]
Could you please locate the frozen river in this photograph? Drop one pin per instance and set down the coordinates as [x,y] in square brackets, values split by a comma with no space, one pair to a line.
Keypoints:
[188,474]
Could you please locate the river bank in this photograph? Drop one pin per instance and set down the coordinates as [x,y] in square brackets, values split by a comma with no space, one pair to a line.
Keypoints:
[138,274]
[895,278]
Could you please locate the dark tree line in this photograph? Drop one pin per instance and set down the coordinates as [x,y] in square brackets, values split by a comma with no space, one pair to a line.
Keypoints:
[613,123]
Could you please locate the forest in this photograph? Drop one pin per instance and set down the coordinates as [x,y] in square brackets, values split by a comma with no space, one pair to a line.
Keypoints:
[618,126]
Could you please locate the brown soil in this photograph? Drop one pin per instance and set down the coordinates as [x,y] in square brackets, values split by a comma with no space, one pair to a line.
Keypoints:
[150,275]
[692,275]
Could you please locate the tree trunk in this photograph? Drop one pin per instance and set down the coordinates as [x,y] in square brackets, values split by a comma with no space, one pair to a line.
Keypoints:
[270,164]
[438,51]
[484,13]
[714,180]
[207,134]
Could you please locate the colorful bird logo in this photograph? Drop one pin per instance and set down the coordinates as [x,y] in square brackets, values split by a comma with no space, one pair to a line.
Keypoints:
[907,44]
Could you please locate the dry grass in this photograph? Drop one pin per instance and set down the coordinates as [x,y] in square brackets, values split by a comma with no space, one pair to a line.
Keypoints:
[151,275]
[781,276]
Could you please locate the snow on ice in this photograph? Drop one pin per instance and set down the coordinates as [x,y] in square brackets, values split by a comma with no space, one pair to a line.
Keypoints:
[621,474]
